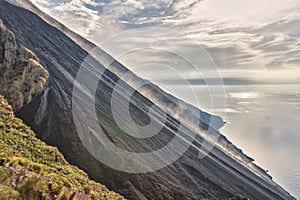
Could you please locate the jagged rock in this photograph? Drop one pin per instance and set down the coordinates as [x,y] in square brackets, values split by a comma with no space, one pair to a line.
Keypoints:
[21,74]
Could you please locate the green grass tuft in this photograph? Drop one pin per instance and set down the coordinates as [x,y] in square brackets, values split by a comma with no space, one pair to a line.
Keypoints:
[31,169]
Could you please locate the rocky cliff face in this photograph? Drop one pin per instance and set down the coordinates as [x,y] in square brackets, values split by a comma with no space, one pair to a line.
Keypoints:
[217,176]
[21,74]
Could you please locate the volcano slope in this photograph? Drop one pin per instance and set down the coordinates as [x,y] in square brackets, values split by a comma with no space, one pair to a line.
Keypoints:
[224,172]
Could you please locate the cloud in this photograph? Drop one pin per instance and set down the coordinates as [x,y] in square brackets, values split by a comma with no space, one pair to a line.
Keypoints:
[253,34]
[74,13]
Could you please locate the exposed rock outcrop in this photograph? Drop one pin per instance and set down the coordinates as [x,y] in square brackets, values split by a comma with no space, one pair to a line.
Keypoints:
[21,74]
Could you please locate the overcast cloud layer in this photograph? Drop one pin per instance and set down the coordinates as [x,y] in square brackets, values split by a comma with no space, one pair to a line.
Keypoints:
[257,39]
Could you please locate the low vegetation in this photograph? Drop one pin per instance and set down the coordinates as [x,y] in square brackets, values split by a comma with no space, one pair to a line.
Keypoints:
[30,169]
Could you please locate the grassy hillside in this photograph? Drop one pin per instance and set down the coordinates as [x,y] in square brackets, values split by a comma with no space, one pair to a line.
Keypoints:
[30,169]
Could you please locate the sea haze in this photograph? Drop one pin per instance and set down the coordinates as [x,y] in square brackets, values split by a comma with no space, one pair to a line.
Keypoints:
[262,120]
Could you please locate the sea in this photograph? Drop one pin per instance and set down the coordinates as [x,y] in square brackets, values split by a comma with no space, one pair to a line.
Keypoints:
[262,120]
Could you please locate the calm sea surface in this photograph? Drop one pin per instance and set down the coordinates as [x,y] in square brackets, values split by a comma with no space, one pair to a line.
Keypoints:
[262,120]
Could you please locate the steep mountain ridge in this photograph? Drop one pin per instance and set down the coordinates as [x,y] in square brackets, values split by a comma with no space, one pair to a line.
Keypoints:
[217,176]
[27,4]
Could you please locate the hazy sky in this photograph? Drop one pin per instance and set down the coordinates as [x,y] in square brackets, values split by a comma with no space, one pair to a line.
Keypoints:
[255,39]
